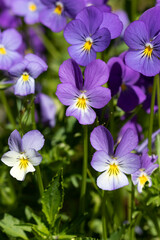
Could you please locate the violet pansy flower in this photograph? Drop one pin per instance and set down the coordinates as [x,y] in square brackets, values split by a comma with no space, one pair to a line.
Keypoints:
[81,95]
[91,32]
[143,38]
[25,74]
[113,166]
[23,154]
[56,13]
[29,9]
[100,4]
[10,41]
[142,176]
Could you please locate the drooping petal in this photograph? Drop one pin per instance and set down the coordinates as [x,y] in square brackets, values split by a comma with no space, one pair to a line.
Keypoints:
[84,117]
[34,157]
[70,72]
[101,40]
[81,56]
[112,182]
[15,142]
[20,173]
[34,58]
[100,161]
[76,32]
[96,74]
[10,158]
[67,93]
[130,76]
[17,69]
[112,22]
[22,88]
[35,69]
[101,139]
[91,17]
[98,97]
[127,144]
[33,139]
[129,163]
[136,35]
[11,39]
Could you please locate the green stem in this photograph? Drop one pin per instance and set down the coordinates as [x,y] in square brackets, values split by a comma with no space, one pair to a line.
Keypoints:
[33,113]
[39,180]
[131,208]
[151,116]
[93,182]
[158,99]
[84,171]
[104,217]
[133,9]
[7,109]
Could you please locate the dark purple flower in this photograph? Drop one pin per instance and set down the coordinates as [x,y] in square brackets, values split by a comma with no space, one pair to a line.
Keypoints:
[29,9]
[8,19]
[123,79]
[91,32]
[100,4]
[113,165]
[10,41]
[55,15]
[142,176]
[143,38]
[81,95]
[25,74]
[47,109]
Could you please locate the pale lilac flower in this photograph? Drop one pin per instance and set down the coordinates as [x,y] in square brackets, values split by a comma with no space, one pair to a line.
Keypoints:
[23,154]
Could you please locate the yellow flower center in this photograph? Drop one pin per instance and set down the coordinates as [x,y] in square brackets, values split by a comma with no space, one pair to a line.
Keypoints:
[148,50]
[25,76]
[113,169]
[143,179]
[23,163]
[59,8]
[123,87]
[88,44]
[81,102]
[32,7]
[2,50]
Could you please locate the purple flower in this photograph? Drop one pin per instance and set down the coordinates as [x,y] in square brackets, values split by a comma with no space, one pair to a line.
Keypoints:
[55,15]
[47,109]
[124,19]
[29,9]
[23,154]
[10,41]
[143,38]
[81,95]
[113,165]
[142,176]
[7,18]
[123,79]
[100,4]
[91,32]
[25,74]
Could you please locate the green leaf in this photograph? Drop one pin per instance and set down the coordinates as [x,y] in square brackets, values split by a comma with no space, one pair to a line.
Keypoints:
[4,85]
[119,233]
[11,227]
[52,199]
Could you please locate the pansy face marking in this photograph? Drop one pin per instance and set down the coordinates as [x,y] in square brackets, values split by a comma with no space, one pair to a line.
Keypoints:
[59,8]
[143,179]
[88,44]
[123,87]
[25,77]
[148,50]
[2,50]
[82,102]
[113,169]
[23,162]
[32,6]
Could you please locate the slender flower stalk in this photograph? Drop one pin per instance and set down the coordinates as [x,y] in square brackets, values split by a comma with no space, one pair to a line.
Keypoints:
[158,98]
[7,109]
[152,116]
[84,171]
[130,211]
[104,217]
[133,9]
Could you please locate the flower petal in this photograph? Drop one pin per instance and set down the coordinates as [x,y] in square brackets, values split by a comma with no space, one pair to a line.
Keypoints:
[98,97]
[10,158]
[22,88]
[34,157]
[101,139]
[33,139]
[20,173]
[129,163]
[112,182]
[17,69]
[101,39]
[15,142]
[127,144]
[34,58]
[35,69]
[100,161]
[96,74]
[11,39]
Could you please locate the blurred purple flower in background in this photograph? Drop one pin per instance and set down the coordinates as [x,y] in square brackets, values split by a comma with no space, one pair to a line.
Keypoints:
[29,9]
[26,72]
[142,176]
[55,14]
[10,41]
[143,38]
[23,154]
[81,96]
[124,19]
[100,4]
[91,32]
[113,165]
